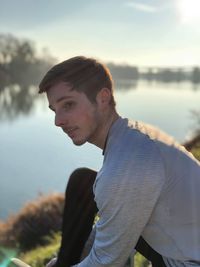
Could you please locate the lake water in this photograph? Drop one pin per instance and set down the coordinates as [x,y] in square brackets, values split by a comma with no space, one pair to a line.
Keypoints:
[36,157]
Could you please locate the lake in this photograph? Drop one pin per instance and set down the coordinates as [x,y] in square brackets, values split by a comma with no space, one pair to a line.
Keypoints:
[36,157]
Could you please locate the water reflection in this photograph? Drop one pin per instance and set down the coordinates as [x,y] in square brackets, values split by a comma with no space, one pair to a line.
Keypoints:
[196,86]
[126,85]
[17,100]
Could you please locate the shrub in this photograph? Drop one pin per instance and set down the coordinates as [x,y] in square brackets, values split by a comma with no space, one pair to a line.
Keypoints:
[36,220]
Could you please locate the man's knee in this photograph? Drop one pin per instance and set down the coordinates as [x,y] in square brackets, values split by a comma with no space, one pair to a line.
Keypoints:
[83,172]
[81,178]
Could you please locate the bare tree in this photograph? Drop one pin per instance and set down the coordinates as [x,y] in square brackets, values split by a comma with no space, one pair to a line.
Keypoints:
[20,71]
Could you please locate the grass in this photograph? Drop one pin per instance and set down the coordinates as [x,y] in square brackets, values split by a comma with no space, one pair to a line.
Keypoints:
[39,256]
[196,152]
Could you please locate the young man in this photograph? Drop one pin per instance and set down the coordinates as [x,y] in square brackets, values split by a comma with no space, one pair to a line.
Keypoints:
[147,192]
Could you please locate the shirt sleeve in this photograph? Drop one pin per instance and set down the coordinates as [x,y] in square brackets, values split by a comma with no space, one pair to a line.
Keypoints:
[89,243]
[126,191]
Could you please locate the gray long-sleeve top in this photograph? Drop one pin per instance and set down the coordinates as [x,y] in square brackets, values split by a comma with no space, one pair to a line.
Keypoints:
[148,186]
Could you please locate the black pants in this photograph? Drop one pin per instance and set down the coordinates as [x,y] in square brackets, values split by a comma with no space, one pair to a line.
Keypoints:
[78,217]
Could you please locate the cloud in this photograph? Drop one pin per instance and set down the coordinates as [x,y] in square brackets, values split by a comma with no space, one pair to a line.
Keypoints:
[142,7]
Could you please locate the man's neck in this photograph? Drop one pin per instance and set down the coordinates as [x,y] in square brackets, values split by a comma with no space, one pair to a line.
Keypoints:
[104,129]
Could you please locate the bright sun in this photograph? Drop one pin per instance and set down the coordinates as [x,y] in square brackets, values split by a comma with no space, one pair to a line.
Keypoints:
[189,10]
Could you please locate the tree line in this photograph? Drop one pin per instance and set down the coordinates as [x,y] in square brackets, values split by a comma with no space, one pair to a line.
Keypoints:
[19,64]
[162,74]
[21,70]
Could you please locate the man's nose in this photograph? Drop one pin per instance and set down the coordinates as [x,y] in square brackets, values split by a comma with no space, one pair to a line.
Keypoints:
[59,120]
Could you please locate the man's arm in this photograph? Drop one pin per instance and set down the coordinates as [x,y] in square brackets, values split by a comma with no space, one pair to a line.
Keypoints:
[126,196]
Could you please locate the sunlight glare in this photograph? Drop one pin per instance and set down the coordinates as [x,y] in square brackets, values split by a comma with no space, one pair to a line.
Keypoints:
[189,10]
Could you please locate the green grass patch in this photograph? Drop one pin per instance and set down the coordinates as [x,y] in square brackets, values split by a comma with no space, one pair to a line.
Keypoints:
[196,153]
[41,255]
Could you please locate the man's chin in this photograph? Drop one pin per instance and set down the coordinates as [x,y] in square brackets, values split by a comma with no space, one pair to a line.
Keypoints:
[78,142]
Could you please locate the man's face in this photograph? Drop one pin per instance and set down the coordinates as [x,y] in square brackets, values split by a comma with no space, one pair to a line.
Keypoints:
[74,113]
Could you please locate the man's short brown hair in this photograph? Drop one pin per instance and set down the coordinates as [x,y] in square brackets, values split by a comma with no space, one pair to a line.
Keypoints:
[83,74]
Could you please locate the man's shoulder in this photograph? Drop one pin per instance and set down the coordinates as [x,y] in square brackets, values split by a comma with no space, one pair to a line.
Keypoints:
[131,145]
[150,131]
[131,140]
[131,135]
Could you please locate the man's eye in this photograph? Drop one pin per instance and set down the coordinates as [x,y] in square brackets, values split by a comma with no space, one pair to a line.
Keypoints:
[68,105]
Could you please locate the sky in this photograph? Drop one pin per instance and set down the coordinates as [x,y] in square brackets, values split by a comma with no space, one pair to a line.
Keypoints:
[135,32]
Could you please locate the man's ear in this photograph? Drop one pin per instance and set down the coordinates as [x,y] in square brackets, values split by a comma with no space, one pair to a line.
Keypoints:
[103,97]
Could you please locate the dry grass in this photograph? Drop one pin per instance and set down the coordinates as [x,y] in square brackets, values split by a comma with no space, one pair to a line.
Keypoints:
[38,219]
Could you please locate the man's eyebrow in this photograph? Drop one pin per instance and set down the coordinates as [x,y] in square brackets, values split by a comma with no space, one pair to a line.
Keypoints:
[59,100]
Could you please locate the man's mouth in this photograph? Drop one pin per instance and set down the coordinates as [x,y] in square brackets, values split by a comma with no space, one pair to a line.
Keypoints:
[70,131]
